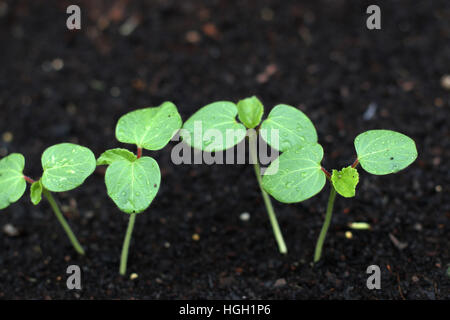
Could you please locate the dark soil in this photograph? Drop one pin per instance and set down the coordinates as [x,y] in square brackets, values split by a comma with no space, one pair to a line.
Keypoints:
[317,55]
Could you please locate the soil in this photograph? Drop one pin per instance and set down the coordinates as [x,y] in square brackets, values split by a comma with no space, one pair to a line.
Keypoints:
[58,85]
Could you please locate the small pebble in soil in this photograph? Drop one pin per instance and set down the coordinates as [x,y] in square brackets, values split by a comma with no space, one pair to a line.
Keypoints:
[445,81]
[438,188]
[279,283]
[10,230]
[166,244]
[133,276]
[128,27]
[245,216]
[370,112]
[415,278]
[8,137]
[267,14]
[193,37]
[400,245]
[439,102]
[57,64]
[115,92]
[196,237]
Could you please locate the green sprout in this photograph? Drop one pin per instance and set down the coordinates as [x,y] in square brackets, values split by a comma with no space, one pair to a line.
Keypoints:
[132,181]
[299,174]
[285,127]
[66,166]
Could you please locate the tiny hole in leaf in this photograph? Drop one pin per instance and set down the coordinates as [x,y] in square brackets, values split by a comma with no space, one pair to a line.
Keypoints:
[392,158]
[154,185]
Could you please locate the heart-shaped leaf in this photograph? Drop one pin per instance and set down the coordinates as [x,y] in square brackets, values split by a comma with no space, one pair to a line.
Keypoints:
[36,192]
[250,111]
[133,185]
[114,155]
[383,151]
[296,175]
[294,129]
[149,128]
[66,166]
[12,182]
[214,127]
[345,181]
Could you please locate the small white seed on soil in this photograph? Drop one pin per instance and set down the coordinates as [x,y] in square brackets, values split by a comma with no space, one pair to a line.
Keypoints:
[348,234]
[166,244]
[133,276]
[245,216]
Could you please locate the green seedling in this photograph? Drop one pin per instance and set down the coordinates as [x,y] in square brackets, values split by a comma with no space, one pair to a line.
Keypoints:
[300,175]
[132,181]
[66,166]
[285,127]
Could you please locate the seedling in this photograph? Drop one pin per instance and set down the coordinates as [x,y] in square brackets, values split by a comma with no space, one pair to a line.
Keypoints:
[285,127]
[66,166]
[300,175]
[132,181]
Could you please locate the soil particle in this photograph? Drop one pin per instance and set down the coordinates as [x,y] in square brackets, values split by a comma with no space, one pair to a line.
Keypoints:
[72,86]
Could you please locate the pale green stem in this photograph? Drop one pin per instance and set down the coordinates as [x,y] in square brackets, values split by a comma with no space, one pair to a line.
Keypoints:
[273,218]
[47,194]
[326,224]
[126,245]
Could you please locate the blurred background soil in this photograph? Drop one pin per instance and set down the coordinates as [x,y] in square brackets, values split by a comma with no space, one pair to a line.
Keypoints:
[58,86]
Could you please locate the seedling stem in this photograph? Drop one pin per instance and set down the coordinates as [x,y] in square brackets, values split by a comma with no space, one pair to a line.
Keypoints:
[126,242]
[47,194]
[326,224]
[273,218]
[126,245]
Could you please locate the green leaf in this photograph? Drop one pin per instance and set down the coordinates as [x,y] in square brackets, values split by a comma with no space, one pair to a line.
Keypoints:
[294,128]
[36,192]
[149,128]
[133,185]
[207,128]
[66,166]
[383,151]
[12,182]
[250,111]
[345,181]
[113,155]
[296,175]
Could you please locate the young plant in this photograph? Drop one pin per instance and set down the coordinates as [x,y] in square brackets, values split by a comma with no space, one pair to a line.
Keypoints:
[132,181]
[66,166]
[300,175]
[285,127]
